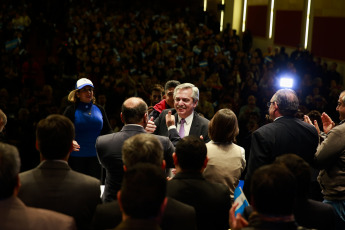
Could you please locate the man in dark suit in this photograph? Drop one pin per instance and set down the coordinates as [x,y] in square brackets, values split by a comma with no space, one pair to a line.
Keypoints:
[53,184]
[186,97]
[145,148]
[286,134]
[134,116]
[210,200]
[14,214]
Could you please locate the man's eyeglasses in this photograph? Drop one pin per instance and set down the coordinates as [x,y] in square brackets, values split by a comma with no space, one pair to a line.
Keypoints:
[269,103]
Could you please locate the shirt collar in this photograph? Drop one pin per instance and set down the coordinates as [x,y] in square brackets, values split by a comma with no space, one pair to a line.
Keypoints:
[188,119]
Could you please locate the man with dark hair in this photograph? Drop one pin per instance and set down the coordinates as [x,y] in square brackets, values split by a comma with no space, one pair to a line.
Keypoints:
[188,122]
[145,148]
[134,116]
[308,213]
[167,102]
[142,197]
[13,213]
[286,134]
[53,184]
[156,96]
[210,200]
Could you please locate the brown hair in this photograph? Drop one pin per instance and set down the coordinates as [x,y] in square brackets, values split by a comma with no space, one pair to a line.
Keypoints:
[223,127]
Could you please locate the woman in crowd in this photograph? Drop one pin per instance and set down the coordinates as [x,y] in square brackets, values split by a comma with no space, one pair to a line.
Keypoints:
[90,121]
[226,159]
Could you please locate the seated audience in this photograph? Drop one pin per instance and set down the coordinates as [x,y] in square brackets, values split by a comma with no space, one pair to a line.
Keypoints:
[53,184]
[142,197]
[226,160]
[14,214]
[138,149]
[210,200]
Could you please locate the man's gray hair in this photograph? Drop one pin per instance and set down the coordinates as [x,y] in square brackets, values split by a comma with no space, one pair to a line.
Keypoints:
[195,90]
[287,101]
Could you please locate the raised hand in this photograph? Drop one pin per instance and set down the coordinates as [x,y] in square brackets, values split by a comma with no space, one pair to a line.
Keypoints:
[169,119]
[150,127]
[327,123]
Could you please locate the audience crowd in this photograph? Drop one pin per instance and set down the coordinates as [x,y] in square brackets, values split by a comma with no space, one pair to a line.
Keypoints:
[129,52]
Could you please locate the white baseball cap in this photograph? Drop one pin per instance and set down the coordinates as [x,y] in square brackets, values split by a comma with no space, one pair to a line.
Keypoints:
[82,82]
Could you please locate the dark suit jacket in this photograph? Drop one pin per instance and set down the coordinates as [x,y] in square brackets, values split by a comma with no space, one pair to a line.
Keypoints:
[55,186]
[139,224]
[199,127]
[176,215]
[284,135]
[109,153]
[310,214]
[210,200]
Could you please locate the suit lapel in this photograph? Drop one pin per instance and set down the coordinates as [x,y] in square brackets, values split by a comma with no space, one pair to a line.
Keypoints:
[194,129]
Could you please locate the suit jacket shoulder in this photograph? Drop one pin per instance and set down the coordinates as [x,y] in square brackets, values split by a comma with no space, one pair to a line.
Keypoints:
[54,186]
[15,215]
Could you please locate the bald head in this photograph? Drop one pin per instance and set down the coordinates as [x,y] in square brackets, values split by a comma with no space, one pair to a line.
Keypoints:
[133,110]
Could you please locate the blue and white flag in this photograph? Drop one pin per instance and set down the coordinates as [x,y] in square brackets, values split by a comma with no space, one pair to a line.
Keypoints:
[241,199]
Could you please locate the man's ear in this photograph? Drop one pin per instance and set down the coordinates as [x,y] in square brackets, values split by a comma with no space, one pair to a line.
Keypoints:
[205,162]
[175,159]
[118,195]
[37,145]
[164,164]
[124,168]
[122,118]
[195,103]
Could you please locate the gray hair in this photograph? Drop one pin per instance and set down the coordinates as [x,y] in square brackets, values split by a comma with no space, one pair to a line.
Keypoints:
[287,101]
[343,98]
[195,90]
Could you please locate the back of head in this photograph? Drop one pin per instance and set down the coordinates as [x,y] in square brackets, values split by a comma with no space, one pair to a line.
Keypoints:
[273,190]
[300,169]
[223,127]
[195,90]
[287,101]
[54,136]
[133,110]
[143,191]
[144,148]
[171,84]
[191,153]
[9,169]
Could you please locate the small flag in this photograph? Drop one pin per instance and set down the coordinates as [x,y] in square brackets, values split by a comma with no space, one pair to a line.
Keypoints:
[241,199]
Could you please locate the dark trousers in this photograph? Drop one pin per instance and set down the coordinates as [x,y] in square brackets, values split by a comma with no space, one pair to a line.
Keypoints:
[87,165]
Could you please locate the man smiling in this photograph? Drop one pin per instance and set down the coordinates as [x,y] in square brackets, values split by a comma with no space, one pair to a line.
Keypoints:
[182,120]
